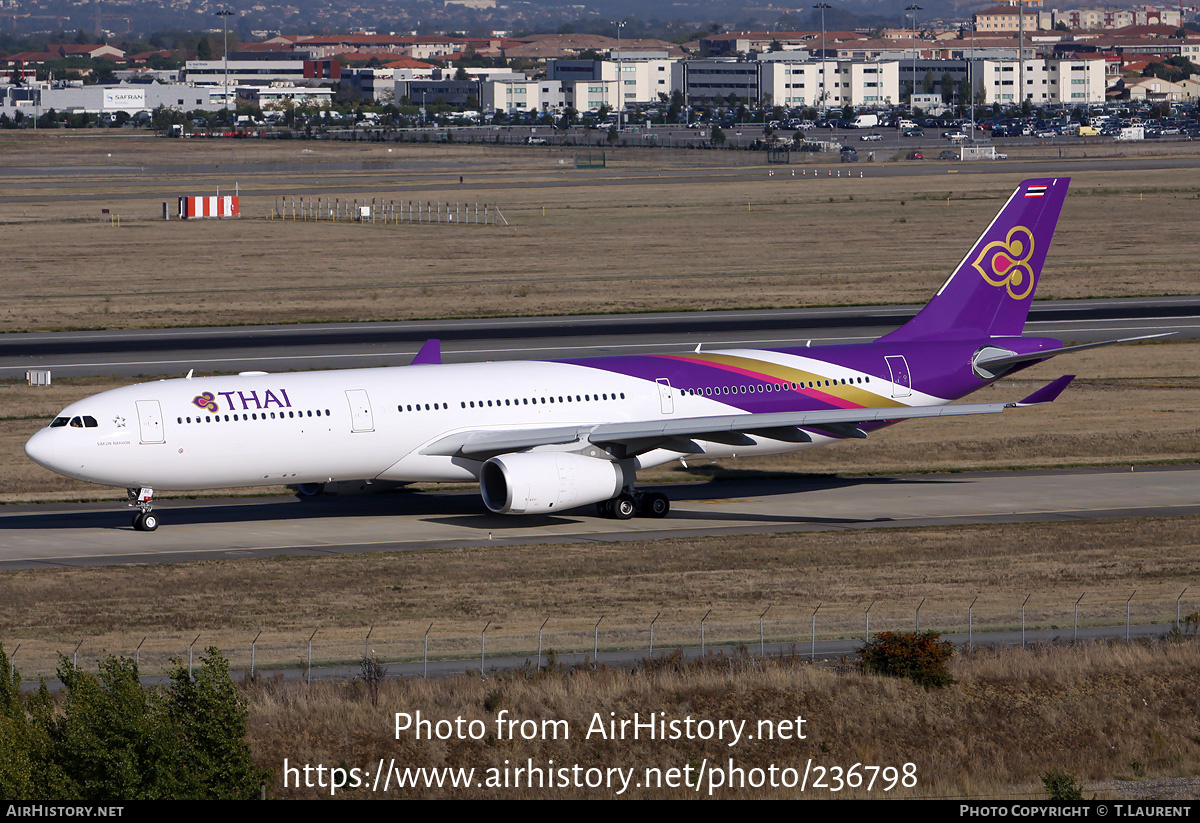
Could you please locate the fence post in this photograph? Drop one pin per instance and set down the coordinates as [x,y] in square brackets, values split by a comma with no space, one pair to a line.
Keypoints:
[137,654]
[483,649]
[308,669]
[596,642]
[544,622]
[919,605]
[652,622]
[702,619]
[1178,625]
[813,653]
[75,656]
[1075,637]
[867,615]
[367,643]
[12,664]
[253,650]
[761,646]
[427,650]
[1127,615]
[971,623]
[190,645]
[1023,620]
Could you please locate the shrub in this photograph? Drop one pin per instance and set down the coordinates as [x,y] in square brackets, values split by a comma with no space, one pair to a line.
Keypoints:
[919,656]
[1061,786]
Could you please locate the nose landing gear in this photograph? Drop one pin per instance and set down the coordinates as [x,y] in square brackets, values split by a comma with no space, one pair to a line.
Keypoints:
[143,500]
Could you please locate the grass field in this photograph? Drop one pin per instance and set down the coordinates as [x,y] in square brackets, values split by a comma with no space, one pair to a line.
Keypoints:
[226,602]
[654,230]
[1118,719]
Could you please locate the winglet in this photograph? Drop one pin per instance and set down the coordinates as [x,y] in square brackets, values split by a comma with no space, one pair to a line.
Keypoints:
[431,352]
[1047,393]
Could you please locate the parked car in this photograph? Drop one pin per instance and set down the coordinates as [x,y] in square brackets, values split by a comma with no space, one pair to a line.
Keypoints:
[948,155]
[536,141]
[915,155]
[849,154]
[913,131]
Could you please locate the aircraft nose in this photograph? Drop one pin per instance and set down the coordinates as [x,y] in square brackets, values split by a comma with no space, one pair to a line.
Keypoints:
[43,449]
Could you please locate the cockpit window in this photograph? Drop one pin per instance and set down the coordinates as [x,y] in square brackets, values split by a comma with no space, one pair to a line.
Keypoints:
[89,422]
[76,422]
[58,421]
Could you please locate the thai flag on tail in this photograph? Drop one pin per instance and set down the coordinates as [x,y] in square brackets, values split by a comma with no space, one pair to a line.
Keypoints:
[1036,191]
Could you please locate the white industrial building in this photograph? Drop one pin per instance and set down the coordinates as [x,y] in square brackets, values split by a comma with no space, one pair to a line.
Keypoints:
[74,98]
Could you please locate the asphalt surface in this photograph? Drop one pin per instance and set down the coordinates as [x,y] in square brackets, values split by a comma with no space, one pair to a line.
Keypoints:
[93,534]
[172,352]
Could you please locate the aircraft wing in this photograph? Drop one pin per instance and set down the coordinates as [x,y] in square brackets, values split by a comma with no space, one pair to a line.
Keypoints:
[677,433]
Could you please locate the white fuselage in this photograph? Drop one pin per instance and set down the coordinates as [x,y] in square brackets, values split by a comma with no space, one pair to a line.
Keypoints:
[317,427]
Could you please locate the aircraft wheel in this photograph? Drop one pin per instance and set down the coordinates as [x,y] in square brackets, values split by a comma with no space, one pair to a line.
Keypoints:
[306,491]
[604,508]
[624,507]
[657,505]
[149,522]
[137,522]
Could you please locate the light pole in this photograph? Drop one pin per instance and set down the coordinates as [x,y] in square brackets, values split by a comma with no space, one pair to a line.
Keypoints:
[620,24]
[822,7]
[914,8]
[225,14]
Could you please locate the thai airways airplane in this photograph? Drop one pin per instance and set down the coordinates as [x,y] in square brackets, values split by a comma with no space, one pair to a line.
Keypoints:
[550,436]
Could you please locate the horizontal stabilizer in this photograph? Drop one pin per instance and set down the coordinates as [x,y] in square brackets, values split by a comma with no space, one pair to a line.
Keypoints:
[997,363]
[430,353]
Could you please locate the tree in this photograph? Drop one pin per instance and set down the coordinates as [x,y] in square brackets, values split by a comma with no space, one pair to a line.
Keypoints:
[718,136]
[111,739]
[209,717]
[204,49]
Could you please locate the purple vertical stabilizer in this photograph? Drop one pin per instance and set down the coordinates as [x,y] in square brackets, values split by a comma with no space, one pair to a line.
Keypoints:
[990,292]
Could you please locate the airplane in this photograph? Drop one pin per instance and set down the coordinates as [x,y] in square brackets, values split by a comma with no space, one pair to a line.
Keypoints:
[550,436]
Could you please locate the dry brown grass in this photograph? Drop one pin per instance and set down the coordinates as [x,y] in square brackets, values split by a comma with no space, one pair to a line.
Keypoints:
[666,230]
[1101,712]
[227,602]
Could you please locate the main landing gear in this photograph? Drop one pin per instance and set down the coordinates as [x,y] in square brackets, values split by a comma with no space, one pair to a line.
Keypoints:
[143,500]
[632,502]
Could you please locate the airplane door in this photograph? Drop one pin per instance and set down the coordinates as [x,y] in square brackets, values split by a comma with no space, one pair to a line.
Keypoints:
[901,379]
[664,396]
[150,421]
[360,410]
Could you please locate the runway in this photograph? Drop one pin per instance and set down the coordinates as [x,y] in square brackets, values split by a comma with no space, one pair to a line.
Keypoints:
[172,352]
[101,534]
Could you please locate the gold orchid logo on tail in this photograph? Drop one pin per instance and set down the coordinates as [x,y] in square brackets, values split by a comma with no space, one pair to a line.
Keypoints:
[1006,263]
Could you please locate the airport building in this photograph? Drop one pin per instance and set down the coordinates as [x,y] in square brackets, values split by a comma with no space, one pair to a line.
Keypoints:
[74,98]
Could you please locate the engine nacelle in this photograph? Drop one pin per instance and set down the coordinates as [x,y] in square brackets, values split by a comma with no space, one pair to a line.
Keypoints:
[540,482]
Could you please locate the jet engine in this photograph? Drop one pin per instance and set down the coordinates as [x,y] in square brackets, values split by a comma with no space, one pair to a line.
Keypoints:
[540,482]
